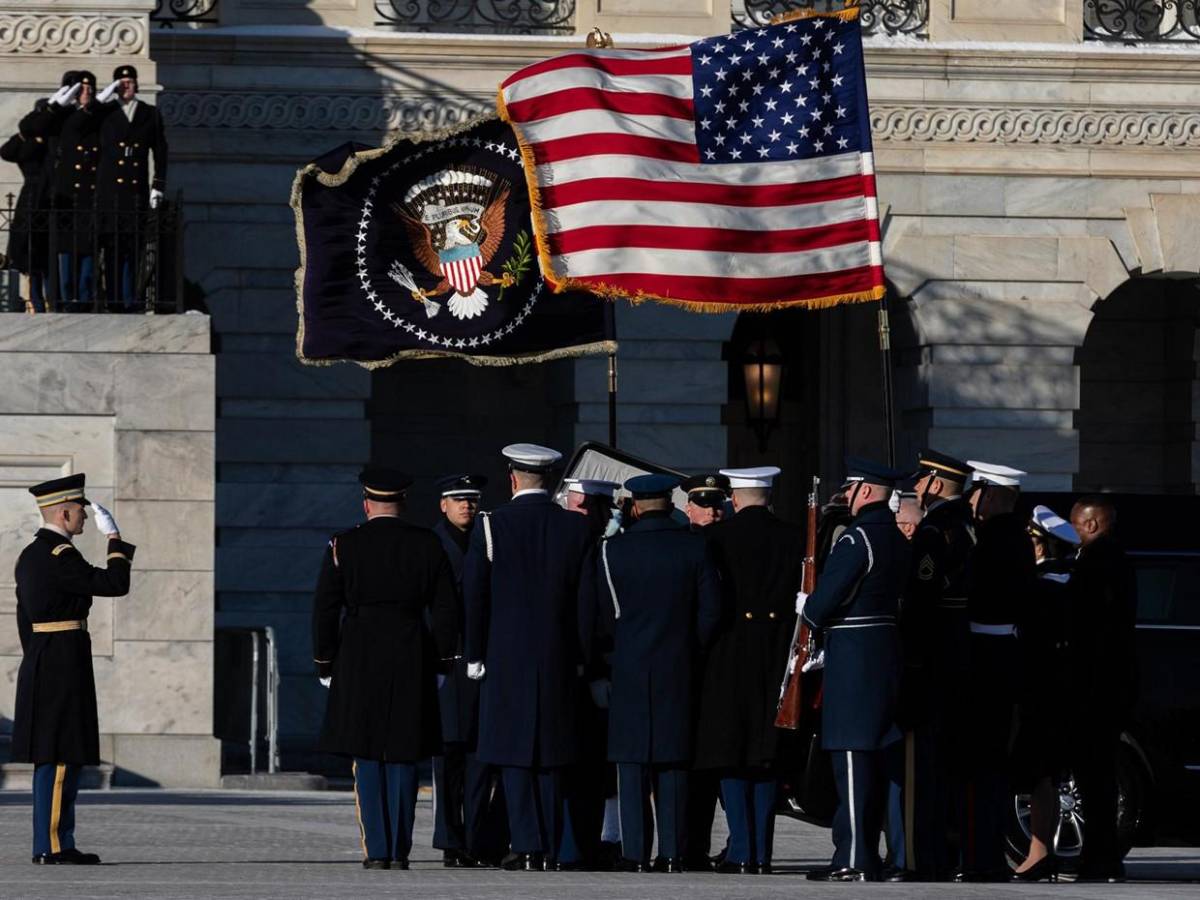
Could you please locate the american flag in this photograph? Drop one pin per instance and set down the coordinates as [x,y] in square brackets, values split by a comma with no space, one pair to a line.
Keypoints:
[733,172]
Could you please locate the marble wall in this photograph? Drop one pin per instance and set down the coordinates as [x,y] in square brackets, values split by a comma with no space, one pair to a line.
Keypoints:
[128,400]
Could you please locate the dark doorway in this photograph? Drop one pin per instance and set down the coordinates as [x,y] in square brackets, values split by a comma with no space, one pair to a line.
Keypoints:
[1138,390]
[831,397]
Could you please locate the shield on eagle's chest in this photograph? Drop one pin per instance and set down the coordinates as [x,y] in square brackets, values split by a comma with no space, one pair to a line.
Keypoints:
[461,267]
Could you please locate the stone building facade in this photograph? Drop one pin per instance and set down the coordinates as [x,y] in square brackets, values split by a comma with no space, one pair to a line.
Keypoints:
[1039,178]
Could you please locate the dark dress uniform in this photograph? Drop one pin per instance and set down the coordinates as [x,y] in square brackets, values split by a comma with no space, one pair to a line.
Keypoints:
[466,798]
[1003,579]
[934,628]
[377,583]
[123,185]
[1040,748]
[655,588]
[520,586]
[28,236]
[759,557]
[74,199]
[55,724]
[856,605]
[1103,615]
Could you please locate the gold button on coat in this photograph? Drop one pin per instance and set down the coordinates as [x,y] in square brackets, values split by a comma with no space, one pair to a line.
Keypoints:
[749,615]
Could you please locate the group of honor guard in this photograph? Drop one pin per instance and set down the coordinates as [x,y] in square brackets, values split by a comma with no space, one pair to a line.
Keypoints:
[591,679]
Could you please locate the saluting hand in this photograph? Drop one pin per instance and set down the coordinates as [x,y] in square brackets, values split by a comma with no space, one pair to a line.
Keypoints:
[109,92]
[105,521]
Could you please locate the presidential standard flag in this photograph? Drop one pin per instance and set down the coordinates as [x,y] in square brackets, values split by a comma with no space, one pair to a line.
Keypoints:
[732,173]
[424,248]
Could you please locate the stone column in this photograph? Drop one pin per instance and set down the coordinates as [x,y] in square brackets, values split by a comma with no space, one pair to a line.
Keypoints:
[128,400]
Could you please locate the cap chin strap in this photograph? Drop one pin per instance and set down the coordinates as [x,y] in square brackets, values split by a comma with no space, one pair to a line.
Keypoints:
[853,496]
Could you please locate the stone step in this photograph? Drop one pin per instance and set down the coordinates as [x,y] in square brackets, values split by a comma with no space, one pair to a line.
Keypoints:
[19,777]
[275,781]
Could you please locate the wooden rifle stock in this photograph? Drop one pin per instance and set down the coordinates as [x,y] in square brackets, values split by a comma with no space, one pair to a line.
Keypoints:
[791,694]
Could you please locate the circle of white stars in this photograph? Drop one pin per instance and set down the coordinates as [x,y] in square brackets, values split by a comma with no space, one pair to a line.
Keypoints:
[364,276]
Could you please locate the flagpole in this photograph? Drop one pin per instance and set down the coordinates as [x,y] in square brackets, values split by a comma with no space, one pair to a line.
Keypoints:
[885,358]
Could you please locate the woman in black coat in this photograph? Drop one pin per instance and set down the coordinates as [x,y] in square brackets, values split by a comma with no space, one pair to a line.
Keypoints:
[28,247]
[1040,753]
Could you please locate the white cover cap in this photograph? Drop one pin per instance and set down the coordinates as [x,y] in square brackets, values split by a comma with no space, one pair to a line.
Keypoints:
[759,477]
[993,473]
[531,457]
[593,486]
[1049,522]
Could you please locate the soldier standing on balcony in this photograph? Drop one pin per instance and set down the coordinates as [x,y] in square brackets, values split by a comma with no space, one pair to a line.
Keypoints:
[132,131]
[55,724]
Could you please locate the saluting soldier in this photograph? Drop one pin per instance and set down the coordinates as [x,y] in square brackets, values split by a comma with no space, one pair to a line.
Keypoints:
[378,582]
[759,558]
[656,591]
[131,133]
[856,605]
[462,785]
[55,724]
[1003,580]
[934,628]
[521,586]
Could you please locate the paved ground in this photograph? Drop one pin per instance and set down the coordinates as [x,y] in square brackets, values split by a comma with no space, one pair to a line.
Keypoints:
[171,844]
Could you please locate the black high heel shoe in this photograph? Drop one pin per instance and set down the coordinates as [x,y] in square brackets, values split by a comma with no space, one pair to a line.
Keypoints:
[1045,869]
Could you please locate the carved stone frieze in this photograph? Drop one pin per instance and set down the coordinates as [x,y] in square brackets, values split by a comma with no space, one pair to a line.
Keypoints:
[1037,125]
[328,112]
[72,34]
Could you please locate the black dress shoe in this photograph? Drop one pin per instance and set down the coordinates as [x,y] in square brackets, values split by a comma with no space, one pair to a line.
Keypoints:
[630,865]
[698,864]
[577,866]
[765,869]
[732,868]
[1106,874]
[450,859]
[895,875]
[848,874]
[1045,869]
[671,865]
[550,864]
[71,857]
[515,862]
[377,863]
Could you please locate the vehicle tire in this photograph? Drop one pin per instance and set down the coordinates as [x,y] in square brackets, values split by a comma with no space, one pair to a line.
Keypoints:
[1133,812]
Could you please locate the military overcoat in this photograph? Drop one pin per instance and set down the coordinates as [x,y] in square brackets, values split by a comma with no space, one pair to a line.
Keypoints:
[458,697]
[655,588]
[759,557]
[377,582]
[522,623]
[55,712]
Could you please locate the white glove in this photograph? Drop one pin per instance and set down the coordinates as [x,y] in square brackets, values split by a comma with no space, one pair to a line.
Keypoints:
[815,662]
[801,599]
[326,681]
[107,94]
[475,671]
[104,520]
[65,95]
[601,692]
[156,197]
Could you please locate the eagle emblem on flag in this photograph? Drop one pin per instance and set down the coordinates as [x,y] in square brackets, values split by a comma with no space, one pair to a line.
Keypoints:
[455,223]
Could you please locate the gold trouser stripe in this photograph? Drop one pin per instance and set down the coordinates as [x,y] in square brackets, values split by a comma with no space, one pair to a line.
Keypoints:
[910,801]
[70,625]
[362,833]
[60,773]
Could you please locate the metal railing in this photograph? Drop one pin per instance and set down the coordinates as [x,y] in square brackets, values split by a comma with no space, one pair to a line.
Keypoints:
[478,16]
[1141,21]
[86,259]
[898,17]
[246,701]
[169,13]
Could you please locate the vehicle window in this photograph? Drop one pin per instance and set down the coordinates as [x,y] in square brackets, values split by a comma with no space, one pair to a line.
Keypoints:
[1168,591]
